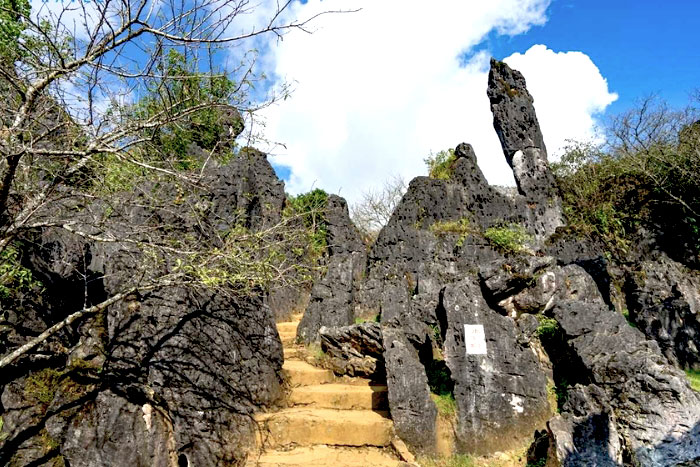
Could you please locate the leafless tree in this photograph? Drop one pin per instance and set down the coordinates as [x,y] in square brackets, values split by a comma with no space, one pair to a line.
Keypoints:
[663,146]
[374,209]
[89,91]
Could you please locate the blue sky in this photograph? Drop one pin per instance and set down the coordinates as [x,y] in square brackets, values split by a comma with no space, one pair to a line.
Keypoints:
[640,47]
[378,90]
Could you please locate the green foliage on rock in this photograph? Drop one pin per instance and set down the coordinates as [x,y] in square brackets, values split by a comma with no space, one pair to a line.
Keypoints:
[548,327]
[13,276]
[202,103]
[461,227]
[446,405]
[509,238]
[311,207]
[441,165]
[647,174]
[694,378]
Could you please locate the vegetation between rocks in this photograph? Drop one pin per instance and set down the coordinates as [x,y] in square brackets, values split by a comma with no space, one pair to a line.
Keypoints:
[441,165]
[509,238]
[694,378]
[459,227]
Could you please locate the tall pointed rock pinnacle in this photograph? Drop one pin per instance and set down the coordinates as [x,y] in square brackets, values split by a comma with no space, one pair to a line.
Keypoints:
[515,122]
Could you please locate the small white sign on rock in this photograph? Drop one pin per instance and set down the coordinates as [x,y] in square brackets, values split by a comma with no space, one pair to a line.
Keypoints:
[475,339]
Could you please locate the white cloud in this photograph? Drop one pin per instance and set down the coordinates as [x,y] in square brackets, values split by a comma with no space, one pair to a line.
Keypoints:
[569,92]
[377,90]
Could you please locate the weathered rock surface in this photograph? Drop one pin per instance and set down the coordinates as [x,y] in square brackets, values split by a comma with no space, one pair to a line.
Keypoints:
[331,302]
[412,410]
[166,376]
[663,299]
[656,414]
[355,350]
[546,317]
[500,395]
[516,124]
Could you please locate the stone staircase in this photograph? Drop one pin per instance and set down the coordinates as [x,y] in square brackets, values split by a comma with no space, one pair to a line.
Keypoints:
[329,422]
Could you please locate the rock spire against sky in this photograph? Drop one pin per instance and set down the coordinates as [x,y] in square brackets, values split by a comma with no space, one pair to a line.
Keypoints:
[377,90]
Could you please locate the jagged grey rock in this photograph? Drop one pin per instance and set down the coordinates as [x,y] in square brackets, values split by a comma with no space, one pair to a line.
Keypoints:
[412,410]
[502,395]
[586,433]
[516,124]
[331,302]
[656,412]
[181,370]
[355,350]
[663,298]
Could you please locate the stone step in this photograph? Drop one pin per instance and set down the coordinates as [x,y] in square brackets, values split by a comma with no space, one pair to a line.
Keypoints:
[307,426]
[340,396]
[288,337]
[288,326]
[296,317]
[326,456]
[302,374]
[291,352]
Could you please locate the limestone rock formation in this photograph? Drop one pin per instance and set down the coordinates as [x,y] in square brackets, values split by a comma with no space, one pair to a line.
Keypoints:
[663,299]
[354,350]
[502,394]
[545,310]
[331,302]
[166,376]
[655,415]
[516,124]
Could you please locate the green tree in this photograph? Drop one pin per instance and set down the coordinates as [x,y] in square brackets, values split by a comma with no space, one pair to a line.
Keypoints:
[647,173]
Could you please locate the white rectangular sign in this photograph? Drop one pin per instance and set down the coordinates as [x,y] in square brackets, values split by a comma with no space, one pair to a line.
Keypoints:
[475,339]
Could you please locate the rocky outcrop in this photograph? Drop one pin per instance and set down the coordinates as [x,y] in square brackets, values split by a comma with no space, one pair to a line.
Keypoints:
[629,400]
[354,350]
[500,394]
[516,124]
[426,260]
[541,327]
[170,376]
[331,302]
[663,298]
[412,410]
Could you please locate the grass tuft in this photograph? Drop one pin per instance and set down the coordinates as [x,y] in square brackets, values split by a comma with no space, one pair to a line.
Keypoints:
[694,378]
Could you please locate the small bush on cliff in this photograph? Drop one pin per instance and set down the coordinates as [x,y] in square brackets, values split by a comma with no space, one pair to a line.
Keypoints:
[694,378]
[510,238]
[461,227]
[646,174]
[311,207]
[548,326]
[440,165]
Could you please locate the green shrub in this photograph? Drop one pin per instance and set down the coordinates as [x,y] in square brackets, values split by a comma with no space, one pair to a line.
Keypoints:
[460,227]
[311,207]
[510,238]
[694,378]
[456,460]
[548,327]
[441,165]
[646,174]
[13,276]
[446,405]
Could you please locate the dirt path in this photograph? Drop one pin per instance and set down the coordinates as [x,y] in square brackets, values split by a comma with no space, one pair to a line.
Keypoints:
[329,422]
